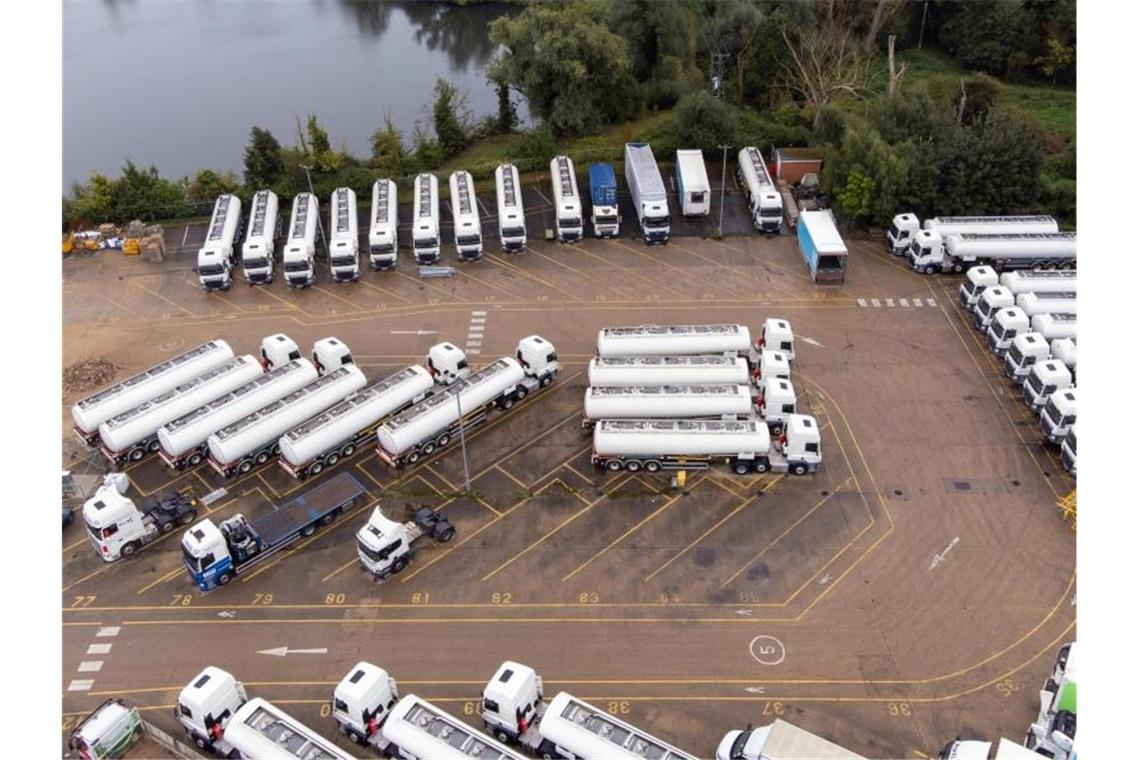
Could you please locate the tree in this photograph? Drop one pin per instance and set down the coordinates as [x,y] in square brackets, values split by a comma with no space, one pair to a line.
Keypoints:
[982,35]
[388,154]
[703,121]
[449,131]
[508,118]
[263,162]
[207,185]
[733,28]
[1010,153]
[657,38]
[1058,57]
[865,176]
[537,148]
[824,65]
[573,69]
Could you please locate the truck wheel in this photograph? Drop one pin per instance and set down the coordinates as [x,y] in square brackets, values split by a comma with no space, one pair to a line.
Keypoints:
[201,743]
[262,458]
[429,448]
[129,549]
[760,466]
[136,454]
[332,459]
[276,449]
[167,527]
[740,468]
[799,468]
[153,446]
[546,381]
[316,468]
[328,518]
[613,465]
[245,467]
[501,735]
[507,403]
[928,269]
[633,466]
[354,737]
[443,440]
[195,459]
[447,535]
[413,457]
[308,530]
[399,564]
[652,466]
[958,267]
[186,519]
[224,578]
[348,451]
[520,394]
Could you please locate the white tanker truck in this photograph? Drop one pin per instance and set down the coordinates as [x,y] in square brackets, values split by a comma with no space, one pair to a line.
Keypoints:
[435,422]
[133,434]
[89,413]
[702,369]
[686,340]
[745,445]
[671,401]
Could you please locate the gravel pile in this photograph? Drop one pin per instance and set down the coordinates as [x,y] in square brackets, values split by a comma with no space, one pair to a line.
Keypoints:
[88,374]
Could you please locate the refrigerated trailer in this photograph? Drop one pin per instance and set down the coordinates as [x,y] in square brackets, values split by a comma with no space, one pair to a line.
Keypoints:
[666,401]
[425,219]
[764,201]
[667,370]
[132,435]
[567,201]
[344,242]
[340,431]
[300,255]
[215,554]
[467,402]
[512,217]
[216,257]
[904,227]
[383,232]
[96,409]
[653,340]
[465,216]
[182,442]
[251,441]
[647,191]
[692,183]
[258,252]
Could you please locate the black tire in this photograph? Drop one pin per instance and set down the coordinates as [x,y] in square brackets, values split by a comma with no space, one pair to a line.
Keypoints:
[957,267]
[502,736]
[129,549]
[186,519]
[224,578]
[633,465]
[653,466]
[276,449]
[928,269]
[332,459]
[167,527]
[348,450]
[443,440]
[201,743]
[507,403]
[136,454]
[740,468]
[429,448]
[327,519]
[546,381]
[447,535]
[355,738]
[778,428]
[413,457]
[261,458]
[308,530]
[799,468]
[614,465]
[195,459]
[399,564]
[245,467]
[153,446]
[520,394]
[760,467]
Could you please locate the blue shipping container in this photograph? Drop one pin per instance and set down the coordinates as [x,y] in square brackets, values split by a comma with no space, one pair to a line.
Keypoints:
[603,185]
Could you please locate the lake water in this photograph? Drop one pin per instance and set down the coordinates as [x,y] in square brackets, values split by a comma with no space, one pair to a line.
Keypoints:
[179,83]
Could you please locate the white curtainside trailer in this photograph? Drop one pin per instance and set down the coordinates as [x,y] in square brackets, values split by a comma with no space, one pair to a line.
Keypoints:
[668,370]
[664,401]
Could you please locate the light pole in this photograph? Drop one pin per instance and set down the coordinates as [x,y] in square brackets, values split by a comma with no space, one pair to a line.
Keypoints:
[723,172]
[320,227]
[462,437]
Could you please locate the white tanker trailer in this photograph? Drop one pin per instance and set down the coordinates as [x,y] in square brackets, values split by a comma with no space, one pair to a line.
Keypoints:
[338,433]
[435,422]
[182,442]
[657,340]
[89,413]
[133,434]
[666,401]
[745,445]
[237,448]
[667,370]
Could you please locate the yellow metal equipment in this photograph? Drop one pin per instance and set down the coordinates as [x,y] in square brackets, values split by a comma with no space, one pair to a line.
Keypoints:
[1068,507]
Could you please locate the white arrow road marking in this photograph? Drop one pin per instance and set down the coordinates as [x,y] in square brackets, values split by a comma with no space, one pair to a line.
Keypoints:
[282,651]
[941,556]
[755,689]
[825,579]
[412,332]
[742,612]
[811,342]
[227,613]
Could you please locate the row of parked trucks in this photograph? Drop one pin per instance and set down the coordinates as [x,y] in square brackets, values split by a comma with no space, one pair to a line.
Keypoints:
[219,717]
[955,243]
[685,397]
[1030,322]
[223,248]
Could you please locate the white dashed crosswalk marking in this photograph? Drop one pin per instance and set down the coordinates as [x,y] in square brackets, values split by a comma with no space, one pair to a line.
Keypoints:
[890,303]
[99,649]
[862,303]
[90,666]
[81,684]
[931,302]
[875,302]
[903,302]
[111,630]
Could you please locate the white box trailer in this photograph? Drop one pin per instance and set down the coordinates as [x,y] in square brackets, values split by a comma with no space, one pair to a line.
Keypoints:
[567,201]
[745,445]
[977,279]
[259,249]
[435,422]
[1043,303]
[512,217]
[416,728]
[779,741]
[764,199]
[1030,281]
[693,183]
[647,190]
[904,227]
[1059,414]
[667,370]
[425,219]
[383,231]
[340,431]
[182,442]
[237,448]
[658,340]
[344,242]
[89,413]
[133,434]
[465,215]
[218,254]
[300,255]
[665,401]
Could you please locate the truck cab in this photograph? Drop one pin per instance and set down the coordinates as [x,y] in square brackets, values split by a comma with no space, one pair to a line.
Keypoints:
[772,364]
[1059,414]
[330,354]
[297,261]
[1026,349]
[257,252]
[776,334]
[777,741]
[512,218]
[362,700]
[776,402]
[206,704]
[425,226]
[604,201]
[211,551]
[977,280]
[1007,324]
[278,350]
[447,363]
[1044,379]
[800,445]
[1069,450]
[927,252]
[512,701]
[385,547]
[214,268]
[567,201]
[991,300]
[538,358]
[1055,729]
[118,528]
[901,233]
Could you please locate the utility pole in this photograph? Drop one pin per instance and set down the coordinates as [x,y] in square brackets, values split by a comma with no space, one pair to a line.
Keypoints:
[320,227]
[462,438]
[723,173]
[922,27]
[716,72]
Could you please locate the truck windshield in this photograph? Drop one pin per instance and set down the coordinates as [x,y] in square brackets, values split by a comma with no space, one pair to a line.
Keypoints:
[895,231]
[382,248]
[512,232]
[656,221]
[95,532]
[1071,441]
[770,213]
[469,240]
[194,563]
[342,261]
[368,551]
[606,218]
[425,243]
[1015,355]
[210,269]
[737,751]
[260,263]
[1053,413]
[915,249]
[1035,383]
[296,266]
[570,221]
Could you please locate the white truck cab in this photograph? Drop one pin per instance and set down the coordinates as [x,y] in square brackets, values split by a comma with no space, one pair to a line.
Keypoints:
[567,201]
[1007,324]
[776,334]
[362,700]
[329,354]
[257,252]
[779,741]
[1027,349]
[385,547]
[927,252]
[772,364]
[278,350]
[465,217]
[425,219]
[799,445]
[977,280]
[217,255]
[1053,732]
[447,363]
[344,243]
[776,402]
[1069,450]
[1059,414]
[383,234]
[903,229]
[512,702]
[1045,379]
[111,517]
[538,358]
[512,218]
[206,704]
[992,300]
